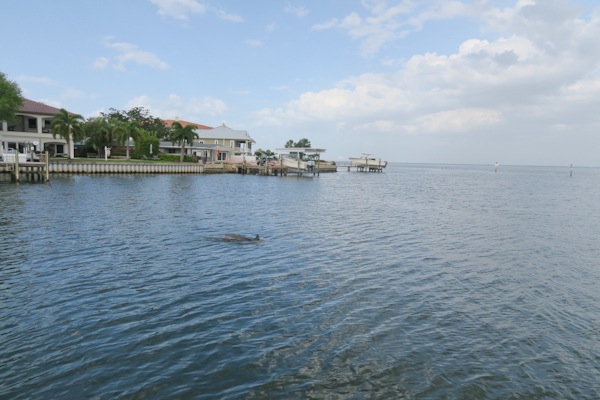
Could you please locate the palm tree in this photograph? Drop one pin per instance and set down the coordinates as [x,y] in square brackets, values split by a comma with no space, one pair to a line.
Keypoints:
[104,132]
[68,126]
[131,130]
[115,131]
[182,134]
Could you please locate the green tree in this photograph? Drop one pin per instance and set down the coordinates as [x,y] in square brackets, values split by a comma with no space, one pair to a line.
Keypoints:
[92,129]
[130,130]
[68,126]
[300,143]
[116,132]
[303,143]
[143,143]
[260,153]
[11,99]
[144,120]
[182,134]
[104,132]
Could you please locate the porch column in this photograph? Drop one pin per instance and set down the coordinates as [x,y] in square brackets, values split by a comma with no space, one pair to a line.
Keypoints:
[71,149]
[40,123]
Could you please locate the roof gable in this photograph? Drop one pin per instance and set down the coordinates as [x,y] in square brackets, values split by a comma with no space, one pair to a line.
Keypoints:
[169,123]
[35,107]
[225,132]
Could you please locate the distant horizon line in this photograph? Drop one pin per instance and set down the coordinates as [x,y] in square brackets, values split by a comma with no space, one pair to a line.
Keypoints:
[494,164]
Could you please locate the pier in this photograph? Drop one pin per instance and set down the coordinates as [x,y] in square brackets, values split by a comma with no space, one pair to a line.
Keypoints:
[369,168]
[34,171]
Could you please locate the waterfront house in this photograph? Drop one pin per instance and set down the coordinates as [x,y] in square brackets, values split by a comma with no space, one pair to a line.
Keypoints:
[31,131]
[213,144]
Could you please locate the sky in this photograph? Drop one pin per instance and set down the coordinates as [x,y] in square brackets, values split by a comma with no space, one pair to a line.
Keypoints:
[419,81]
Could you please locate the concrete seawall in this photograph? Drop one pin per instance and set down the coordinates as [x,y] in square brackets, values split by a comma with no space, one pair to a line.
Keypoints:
[125,168]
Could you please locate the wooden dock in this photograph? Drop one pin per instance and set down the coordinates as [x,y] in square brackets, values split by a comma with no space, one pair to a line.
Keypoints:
[33,171]
[281,170]
[368,168]
[266,170]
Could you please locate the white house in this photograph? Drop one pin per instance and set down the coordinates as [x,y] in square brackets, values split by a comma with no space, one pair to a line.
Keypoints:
[31,131]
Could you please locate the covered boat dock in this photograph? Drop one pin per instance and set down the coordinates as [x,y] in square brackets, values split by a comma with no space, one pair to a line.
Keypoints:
[300,160]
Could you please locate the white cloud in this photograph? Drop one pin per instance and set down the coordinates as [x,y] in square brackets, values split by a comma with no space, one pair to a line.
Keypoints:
[101,63]
[297,11]
[456,121]
[228,17]
[95,113]
[373,31]
[332,23]
[540,76]
[383,23]
[179,9]
[443,11]
[182,9]
[271,27]
[127,53]
[189,109]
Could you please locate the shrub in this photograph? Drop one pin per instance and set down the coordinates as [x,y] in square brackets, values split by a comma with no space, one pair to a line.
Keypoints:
[174,157]
[142,147]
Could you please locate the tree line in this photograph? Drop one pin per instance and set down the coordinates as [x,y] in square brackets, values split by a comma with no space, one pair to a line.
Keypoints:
[116,128]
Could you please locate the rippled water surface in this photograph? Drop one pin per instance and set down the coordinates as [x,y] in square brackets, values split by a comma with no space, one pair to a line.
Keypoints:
[422,282]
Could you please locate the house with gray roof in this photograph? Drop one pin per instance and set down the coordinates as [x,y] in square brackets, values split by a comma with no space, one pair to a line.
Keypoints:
[215,144]
[31,131]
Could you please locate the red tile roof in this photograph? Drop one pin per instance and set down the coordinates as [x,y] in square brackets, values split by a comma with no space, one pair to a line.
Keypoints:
[34,107]
[169,122]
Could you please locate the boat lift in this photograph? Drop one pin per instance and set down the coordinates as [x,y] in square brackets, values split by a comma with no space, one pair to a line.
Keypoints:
[293,157]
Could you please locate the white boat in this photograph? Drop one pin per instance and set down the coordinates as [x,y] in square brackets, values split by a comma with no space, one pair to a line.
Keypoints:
[240,159]
[294,164]
[9,156]
[368,161]
[299,159]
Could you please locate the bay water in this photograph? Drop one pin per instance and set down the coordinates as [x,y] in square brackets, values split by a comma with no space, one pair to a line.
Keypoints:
[421,282]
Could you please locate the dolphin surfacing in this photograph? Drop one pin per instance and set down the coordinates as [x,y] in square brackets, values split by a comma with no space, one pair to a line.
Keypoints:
[239,238]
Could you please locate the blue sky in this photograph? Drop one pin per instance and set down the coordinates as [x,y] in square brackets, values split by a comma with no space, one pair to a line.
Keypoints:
[480,81]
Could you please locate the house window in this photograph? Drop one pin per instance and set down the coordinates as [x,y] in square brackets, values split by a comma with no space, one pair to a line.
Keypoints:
[201,141]
[32,123]
[216,142]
